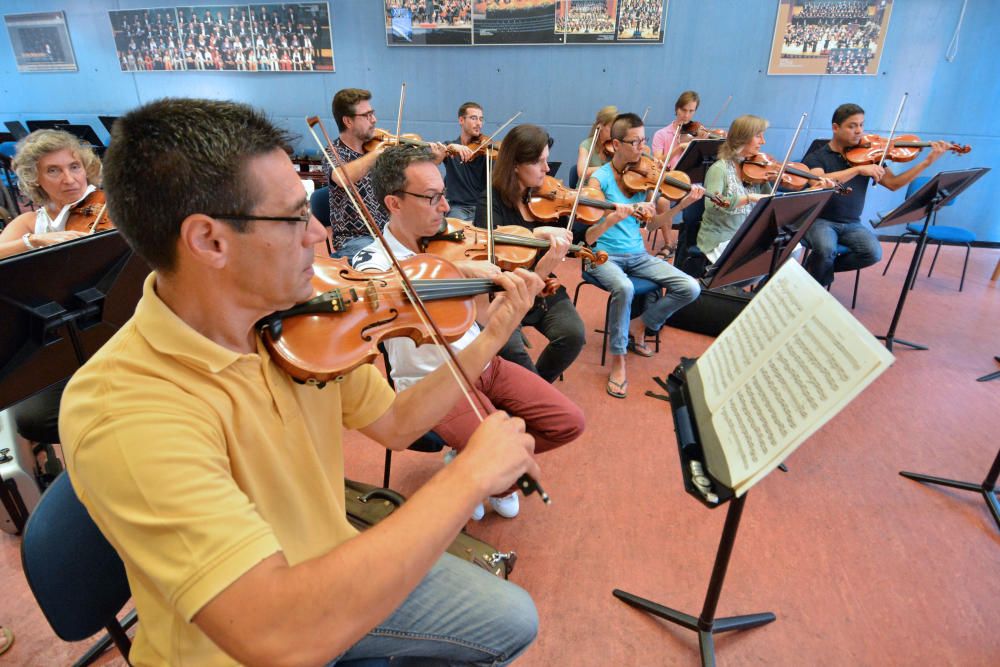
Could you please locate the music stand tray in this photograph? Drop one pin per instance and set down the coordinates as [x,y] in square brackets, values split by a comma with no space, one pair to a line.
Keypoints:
[697,157]
[689,449]
[934,194]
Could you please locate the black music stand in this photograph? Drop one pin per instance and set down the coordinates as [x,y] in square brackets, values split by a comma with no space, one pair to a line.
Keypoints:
[988,488]
[689,449]
[34,125]
[108,122]
[85,133]
[16,129]
[767,238]
[935,193]
[697,157]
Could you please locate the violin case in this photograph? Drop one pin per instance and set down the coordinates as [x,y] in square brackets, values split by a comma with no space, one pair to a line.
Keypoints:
[367,505]
[712,311]
[19,491]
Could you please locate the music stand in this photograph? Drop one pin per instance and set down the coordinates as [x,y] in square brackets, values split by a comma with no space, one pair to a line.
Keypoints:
[45,124]
[935,193]
[689,449]
[16,129]
[767,238]
[108,122]
[988,488]
[83,132]
[59,305]
[697,157]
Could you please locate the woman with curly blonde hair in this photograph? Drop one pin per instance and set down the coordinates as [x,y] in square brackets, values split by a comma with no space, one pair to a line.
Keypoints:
[55,170]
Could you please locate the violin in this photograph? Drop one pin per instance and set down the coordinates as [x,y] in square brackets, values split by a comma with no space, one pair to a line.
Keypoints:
[642,175]
[552,200]
[89,214]
[762,168]
[493,148]
[514,247]
[693,127]
[386,137]
[352,311]
[903,149]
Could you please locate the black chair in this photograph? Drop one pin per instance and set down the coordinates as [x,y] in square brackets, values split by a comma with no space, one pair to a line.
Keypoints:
[430,442]
[74,573]
[554,168]
[319,205]
[641,288]
[574,178]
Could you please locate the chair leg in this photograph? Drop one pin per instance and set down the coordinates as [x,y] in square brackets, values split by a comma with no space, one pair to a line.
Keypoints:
[965,265]
[576,293]
[607,319]
[387,469]
[894,249]
[934,261]
[857,279]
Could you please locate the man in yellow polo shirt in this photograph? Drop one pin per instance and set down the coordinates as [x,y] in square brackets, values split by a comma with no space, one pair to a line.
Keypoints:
[219,479]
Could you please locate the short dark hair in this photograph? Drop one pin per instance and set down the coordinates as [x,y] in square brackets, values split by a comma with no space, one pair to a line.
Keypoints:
[623,123]
[176,157]
[845,111]
[465,107]
[389,172]
[345,102]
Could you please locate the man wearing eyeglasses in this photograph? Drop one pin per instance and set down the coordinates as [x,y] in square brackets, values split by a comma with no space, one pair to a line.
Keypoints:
[352,109]
[219,480]
[619,235]
[409,182]
[465,172]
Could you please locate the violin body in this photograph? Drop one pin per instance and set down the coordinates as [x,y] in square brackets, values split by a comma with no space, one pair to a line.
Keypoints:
[693,127]
[552,200]
[904,148]
[352,311]
[464,241]
[477,145]
[386,137]
[90,214]
[762,168]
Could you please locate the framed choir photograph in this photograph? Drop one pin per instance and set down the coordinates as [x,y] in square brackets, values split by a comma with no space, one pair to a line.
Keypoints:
[839,37]
[41,42]
[522,22]
[285,37]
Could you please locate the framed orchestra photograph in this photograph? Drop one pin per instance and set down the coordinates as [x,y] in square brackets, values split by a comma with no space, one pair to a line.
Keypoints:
[523,22]
[41,42]
[285,37]
[839,37]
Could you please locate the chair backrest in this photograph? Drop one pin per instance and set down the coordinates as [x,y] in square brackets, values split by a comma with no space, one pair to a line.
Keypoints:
[74,573]
[574,177]
[319,204]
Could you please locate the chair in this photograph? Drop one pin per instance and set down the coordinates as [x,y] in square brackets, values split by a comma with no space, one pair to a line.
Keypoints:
[319,205]
[574,178]
[74,573]
[841,250]
[641,288]
[940,234]
[430,442]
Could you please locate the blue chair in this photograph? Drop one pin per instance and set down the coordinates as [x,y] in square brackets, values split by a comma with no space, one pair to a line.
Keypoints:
[74,573]
[940,234]
[841,250]
[641,288]
[319,205]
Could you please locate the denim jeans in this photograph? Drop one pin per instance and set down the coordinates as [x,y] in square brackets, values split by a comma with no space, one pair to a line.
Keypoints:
[458,615]
[614,274]
[823,237]
[350,248]
[561,324]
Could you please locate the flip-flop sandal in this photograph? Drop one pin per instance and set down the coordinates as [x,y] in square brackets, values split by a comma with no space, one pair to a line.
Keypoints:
[620,388]
[641,349]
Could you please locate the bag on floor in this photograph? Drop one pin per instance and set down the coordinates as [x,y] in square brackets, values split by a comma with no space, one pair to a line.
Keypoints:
[367,505]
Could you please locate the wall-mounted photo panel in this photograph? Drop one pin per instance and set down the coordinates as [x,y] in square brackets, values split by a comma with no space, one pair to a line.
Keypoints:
[41,42]
[829,36]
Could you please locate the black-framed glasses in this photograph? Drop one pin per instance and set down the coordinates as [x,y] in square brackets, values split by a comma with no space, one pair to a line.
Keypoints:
[370,115]
[434,199]
[635,143]
[303,219]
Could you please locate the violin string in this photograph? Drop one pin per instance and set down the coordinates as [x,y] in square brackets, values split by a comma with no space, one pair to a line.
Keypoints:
[447,354]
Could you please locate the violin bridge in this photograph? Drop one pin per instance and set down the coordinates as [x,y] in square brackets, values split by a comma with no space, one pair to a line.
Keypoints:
[371,295]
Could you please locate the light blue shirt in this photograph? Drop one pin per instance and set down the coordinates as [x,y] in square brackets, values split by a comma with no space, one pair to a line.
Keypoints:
[624,238]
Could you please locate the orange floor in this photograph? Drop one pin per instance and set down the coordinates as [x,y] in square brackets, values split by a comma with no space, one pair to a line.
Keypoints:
[860,566]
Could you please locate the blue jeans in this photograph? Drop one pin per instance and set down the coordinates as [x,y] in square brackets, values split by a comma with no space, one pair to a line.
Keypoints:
[350,248]
[682,289]
[823,237]
[459,614]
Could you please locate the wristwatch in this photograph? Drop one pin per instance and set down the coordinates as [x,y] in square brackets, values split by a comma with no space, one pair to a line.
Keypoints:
[27,241]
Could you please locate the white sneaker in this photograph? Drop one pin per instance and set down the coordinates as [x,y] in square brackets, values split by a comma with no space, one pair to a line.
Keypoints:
[479,512]
[507,507]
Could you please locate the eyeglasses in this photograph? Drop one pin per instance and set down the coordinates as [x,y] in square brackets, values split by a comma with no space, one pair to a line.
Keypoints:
[370,115]
[434,199]
[303,219]
[635,143]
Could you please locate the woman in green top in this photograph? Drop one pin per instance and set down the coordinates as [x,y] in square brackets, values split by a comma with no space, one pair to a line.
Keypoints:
[725,179]
[603,120]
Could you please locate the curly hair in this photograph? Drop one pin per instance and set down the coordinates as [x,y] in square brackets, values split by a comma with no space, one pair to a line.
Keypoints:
[742,130]
[40,143]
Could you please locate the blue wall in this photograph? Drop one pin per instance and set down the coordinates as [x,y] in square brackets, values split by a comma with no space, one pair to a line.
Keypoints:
[718,47]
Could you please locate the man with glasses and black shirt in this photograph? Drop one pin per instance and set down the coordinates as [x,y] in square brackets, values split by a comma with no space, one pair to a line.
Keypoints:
[465,173]
[620,236]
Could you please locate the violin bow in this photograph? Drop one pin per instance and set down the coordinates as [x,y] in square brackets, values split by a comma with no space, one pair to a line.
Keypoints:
[892,131]
[583,178]
[97,220]
[644,114]
[725,106]
[491,256]
[489,139]
[525,483]
[788,154]
[663,170]
[399,114]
